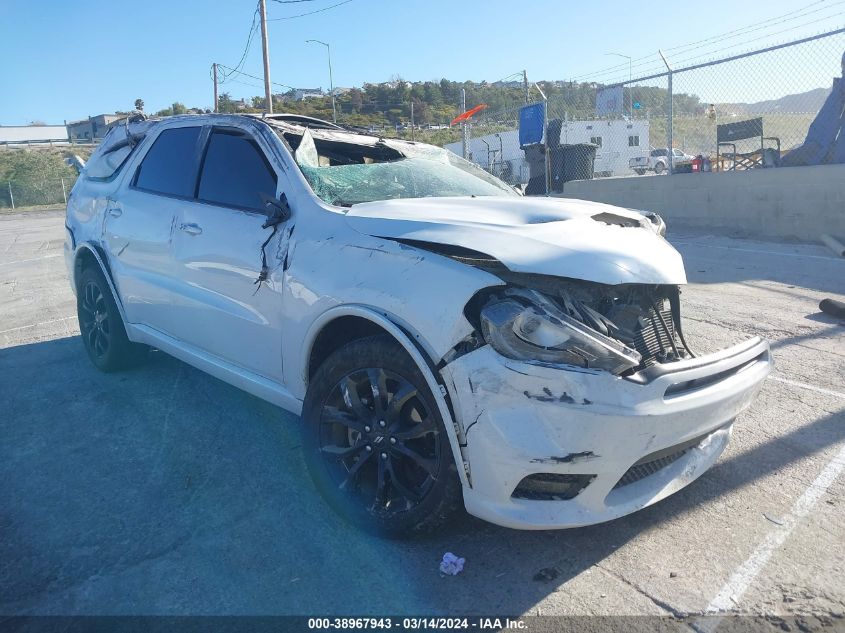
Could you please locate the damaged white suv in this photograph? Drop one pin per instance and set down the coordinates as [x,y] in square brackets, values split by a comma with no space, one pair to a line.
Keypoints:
[442,336]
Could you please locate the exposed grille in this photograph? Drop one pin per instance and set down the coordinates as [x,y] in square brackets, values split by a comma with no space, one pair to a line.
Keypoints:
[642,470]
[551,486]
[652,340]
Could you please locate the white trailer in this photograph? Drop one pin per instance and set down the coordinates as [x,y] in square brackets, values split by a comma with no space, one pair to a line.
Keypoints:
[497,153]
[618,141]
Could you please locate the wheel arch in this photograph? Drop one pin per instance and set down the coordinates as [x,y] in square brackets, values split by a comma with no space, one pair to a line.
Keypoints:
[87,255]
[344,324]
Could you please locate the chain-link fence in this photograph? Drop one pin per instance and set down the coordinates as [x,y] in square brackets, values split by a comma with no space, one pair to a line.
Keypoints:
[782,105]
[35,193]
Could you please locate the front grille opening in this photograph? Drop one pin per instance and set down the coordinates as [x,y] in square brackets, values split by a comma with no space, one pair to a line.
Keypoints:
[551,486]
[655,339]
[642,470]
[657,461]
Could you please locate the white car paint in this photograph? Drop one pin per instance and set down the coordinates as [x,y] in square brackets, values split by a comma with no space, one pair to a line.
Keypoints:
[550,236]
[193,295]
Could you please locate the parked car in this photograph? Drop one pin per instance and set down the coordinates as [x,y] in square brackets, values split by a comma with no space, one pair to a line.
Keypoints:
[657,160]
[444,338]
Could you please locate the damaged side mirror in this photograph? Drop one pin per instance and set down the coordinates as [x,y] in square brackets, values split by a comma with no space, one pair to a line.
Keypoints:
[76,162]
[277,209]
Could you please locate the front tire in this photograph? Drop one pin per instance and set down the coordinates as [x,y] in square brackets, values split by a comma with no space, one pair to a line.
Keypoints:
[375,443]
[100,325]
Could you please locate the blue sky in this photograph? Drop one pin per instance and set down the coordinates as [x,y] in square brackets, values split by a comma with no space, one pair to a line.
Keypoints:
[67,60]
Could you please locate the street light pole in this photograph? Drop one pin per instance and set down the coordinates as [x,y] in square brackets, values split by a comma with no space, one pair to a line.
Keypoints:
[630,89]
[331,81]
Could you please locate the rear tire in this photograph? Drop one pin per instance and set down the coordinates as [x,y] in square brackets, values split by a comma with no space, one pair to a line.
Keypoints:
[375,443]
[101,326]
[659,168]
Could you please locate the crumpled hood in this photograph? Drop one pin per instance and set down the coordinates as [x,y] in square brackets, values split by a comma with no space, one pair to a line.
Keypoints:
[549,236]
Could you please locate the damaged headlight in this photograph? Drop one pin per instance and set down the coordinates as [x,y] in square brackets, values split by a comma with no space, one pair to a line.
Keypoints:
[537,330]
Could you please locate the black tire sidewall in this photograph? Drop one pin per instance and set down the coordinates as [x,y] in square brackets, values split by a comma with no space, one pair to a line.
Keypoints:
[118,354]
[377,352]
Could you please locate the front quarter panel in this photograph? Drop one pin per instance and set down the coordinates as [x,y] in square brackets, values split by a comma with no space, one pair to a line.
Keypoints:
[329,265]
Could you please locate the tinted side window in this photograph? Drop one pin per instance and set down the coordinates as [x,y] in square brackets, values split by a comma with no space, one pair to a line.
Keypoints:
[235,171]
[169,167]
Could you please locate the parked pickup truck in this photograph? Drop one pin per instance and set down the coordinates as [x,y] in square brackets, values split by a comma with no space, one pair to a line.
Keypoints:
[657,160]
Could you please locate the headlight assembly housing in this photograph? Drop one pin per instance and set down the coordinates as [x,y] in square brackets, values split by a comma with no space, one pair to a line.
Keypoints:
[530,327]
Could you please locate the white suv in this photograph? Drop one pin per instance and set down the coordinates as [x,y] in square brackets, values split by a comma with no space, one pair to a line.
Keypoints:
[441,335]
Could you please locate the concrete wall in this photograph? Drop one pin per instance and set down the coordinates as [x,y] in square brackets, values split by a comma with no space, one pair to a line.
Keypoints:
[785,203]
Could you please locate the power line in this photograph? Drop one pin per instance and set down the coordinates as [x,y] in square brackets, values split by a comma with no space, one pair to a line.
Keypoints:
[652,59]
[240,72]
[302,15]
[240,63]
[689,59]
[779,19]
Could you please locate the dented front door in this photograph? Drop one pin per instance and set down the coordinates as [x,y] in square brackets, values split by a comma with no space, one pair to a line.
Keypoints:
[217,254]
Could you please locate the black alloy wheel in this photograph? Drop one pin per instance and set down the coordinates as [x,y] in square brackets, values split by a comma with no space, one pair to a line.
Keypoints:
[101,326]
[377,447]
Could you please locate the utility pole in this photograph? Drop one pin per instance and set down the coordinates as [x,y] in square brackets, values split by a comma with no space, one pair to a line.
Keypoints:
[268,95]
[525,85]
[214,74]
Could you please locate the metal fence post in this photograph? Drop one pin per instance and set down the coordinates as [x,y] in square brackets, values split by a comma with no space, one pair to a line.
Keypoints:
[670,159]
[11,196]
[64,190]
[465,125]
[669,130]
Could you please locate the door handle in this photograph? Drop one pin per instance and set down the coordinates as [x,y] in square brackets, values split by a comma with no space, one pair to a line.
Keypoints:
[190,228]
[115,212]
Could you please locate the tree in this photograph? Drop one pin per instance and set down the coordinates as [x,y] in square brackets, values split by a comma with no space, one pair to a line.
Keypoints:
[178,108]
[225,104]
[139,105]
[356,97]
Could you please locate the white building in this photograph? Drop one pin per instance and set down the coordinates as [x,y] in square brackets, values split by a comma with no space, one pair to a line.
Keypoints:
[301,94]
[27,134]
[618,140]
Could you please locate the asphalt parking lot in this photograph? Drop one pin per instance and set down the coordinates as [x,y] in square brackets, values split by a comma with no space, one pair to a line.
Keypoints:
[165,491]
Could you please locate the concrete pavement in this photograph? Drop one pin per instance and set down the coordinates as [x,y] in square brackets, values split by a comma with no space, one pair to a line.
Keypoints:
[162,490]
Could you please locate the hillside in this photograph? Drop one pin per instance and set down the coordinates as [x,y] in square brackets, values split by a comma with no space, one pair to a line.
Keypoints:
[810,101]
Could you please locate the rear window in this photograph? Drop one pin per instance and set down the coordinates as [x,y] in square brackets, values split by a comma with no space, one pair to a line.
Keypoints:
[235,171]
[106,165]
[170,167]
[113,151]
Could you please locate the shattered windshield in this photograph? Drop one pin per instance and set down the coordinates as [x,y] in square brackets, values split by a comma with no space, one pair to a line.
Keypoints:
[343,174]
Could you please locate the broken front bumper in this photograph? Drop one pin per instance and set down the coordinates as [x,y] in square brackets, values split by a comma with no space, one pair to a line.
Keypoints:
[621,443]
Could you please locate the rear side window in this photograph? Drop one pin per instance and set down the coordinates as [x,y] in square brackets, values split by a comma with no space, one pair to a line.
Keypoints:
[169,167]
[235,171]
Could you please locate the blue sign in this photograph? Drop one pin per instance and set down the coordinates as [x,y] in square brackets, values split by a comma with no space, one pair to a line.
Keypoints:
[531,124]
[637,105]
